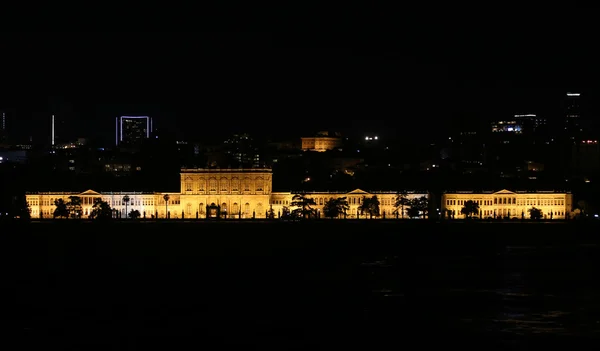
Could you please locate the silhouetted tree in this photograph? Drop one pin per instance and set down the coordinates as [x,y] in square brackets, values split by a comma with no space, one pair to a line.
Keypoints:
[370,205]
[74,207]
[271,213]
[470,208]
[101,210]
[335,207]
[303,206]
[61,209]
[535,213]
[20,208]
[401,200]
[418,207]
[582,206]
[134,214]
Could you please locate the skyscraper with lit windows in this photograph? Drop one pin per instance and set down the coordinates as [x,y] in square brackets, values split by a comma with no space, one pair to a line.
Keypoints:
[573,113]
[132,130]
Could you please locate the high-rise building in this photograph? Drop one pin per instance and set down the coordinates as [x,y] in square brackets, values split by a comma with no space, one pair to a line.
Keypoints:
[573,113]
[132,130]
[3,131]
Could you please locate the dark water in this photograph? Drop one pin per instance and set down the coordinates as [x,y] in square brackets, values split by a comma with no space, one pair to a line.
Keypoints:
[296,286]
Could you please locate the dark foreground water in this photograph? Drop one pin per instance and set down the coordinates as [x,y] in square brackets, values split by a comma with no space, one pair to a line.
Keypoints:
[296,286]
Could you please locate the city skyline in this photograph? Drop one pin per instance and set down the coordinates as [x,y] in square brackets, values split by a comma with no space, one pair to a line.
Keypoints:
[70,125]
[260,79]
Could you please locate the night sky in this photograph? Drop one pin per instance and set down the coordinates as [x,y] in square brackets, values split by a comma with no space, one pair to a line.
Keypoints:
[420,77]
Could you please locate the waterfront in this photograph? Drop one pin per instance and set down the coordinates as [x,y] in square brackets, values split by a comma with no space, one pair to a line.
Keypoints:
[301,285]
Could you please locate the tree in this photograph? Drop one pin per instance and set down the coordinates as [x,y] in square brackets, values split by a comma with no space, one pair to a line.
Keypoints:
[134,214]
[285,212]
[401,201]
[126,202]
[270,213]
[20,208]
[535,213]
[582,205]
[418,207]
[370,205]
[335,207]
[74,207]
[101,210]
[166,198]
[470,208]
[61,209]
[303,206]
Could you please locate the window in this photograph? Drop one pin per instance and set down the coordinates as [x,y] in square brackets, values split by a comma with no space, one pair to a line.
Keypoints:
[259,184]
[212,185]
[235,184]
[188,186]
[246,184]
[224,184]
[247,208]
[235,208]
[201,184]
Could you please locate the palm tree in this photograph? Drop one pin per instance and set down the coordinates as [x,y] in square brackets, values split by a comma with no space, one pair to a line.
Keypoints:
[126,201]
[166,198]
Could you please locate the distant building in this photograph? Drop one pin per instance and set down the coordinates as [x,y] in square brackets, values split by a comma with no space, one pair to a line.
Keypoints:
[243,151]
[573,113]
[509,204]
[520,123]
[132,130]
[323,141]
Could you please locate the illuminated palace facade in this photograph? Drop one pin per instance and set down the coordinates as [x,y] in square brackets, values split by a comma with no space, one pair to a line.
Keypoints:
[208,192]
[505,203]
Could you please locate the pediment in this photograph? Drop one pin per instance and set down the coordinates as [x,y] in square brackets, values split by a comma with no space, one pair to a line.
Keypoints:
[504,192]
[90,192]
[358,191]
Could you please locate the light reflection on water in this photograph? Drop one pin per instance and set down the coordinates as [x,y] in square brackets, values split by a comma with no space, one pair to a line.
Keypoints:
[527,291]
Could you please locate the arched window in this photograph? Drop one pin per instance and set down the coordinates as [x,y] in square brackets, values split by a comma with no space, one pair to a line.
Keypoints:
[259,184]
[259,210]
[235,208]
[224,184]
[212,184]
[201,208]
[246,184]
[247,209]
[235,184]
[188,184]
[201,184]
[188,209]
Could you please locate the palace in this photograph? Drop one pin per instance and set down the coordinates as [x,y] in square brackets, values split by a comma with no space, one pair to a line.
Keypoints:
[509,204]
[207,192]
